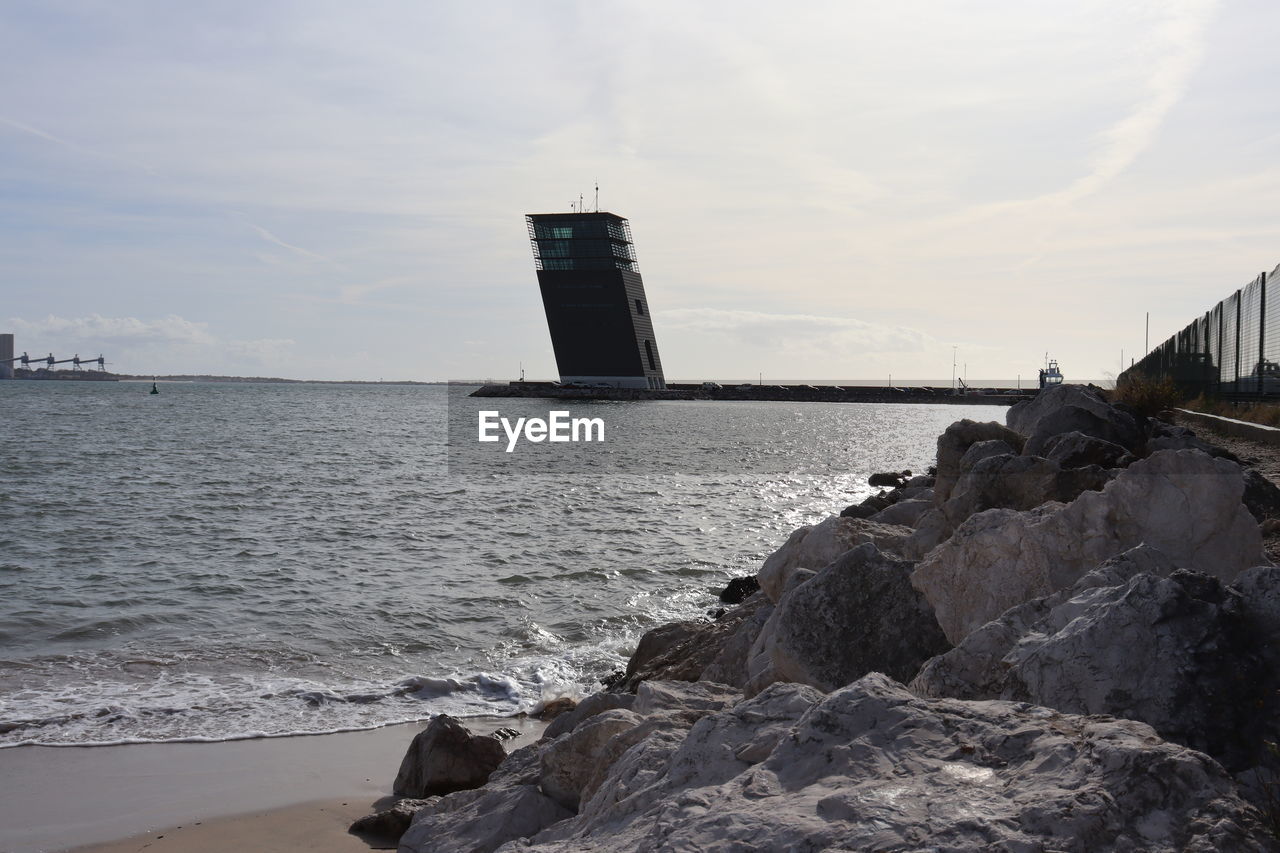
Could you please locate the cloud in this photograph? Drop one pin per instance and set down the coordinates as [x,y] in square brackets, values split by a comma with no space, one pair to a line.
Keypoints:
[271,238]
[796,331]
[73,146]
[1174,53]
[263,350]
[354,294]
[135,344]
[96,327]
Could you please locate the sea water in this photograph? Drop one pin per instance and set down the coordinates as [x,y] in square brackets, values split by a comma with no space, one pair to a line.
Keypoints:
[229,560]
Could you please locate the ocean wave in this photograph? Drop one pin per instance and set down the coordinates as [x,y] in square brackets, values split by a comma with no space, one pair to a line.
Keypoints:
[274,581]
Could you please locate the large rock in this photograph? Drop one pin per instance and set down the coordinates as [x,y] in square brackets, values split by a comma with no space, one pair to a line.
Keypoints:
[1072,408]
[596,703]
[859,614]
[569,761]
[1016,482]
[1173,649]
[977,667]
[932,529]
[1166,436]
[955,442]
[445,757]
[1182,502]
[814,546]
[574,765]
[1259,590]
[730,665]
[1261,497]
[905,513]
[992,475]
[511,806]
[654,697]
[1113,426]
[871,767]
[680,651]
[389,823]
[1077,450]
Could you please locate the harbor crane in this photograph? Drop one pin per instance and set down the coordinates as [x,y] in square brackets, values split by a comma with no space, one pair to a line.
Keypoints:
[27,360]
[49,361]
[100,361]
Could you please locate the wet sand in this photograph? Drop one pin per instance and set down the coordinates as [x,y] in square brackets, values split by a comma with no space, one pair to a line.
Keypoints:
[301,792]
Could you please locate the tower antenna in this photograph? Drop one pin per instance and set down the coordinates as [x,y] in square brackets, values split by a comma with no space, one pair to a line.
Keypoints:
[597,196]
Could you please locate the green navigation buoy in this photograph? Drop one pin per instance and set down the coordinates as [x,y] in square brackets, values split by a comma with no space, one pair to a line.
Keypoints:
[154,389]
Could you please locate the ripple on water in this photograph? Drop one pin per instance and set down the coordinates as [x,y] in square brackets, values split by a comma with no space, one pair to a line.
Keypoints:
[200,570]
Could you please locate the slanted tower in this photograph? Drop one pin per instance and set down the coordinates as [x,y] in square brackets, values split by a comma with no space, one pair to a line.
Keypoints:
[597,311]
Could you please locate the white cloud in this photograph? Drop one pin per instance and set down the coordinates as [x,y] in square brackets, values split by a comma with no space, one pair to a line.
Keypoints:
[73,146]
[134,344]
[1173,53]
[271,238]
[95,327]
[263,350]
[795,331]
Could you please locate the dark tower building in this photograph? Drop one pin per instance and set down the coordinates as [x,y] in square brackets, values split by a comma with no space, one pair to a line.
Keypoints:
[6,356]
[594,298]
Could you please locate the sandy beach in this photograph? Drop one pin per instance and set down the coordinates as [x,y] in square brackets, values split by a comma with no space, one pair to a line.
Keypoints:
[292,793]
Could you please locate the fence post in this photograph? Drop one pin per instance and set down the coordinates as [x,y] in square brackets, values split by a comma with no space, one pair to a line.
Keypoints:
[1235,382]
[1262,331]
[1217,385]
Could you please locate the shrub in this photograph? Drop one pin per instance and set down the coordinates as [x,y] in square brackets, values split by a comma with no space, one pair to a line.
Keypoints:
[1147,396]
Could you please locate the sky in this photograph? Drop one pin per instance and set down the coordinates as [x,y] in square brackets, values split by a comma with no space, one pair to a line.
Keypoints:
[846,190]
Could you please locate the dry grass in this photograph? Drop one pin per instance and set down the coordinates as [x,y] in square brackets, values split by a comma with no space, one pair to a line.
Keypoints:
[1258,413]
[1147,396]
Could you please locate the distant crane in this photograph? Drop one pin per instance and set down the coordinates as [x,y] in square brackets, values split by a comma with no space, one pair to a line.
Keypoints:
[100,361]
[27,360]
[49,361]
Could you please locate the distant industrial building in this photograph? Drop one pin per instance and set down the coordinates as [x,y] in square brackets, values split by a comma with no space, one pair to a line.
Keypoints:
[6,356]
[594,298]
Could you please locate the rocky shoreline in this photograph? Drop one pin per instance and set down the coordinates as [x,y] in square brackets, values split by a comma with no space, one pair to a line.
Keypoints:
[1065,638]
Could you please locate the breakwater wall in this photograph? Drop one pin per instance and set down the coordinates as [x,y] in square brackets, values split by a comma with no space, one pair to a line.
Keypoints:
[780,393]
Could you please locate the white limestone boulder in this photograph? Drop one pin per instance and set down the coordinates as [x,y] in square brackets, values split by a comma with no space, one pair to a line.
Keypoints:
[857,615]
[1139,639]
[1183,502]
[509,806]
[568,762]
[814,546]
[955,442]
[1072,408]
[872,767]
[905,513]
[977,667]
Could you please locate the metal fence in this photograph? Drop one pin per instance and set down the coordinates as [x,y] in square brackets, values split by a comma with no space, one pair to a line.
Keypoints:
[1227,351]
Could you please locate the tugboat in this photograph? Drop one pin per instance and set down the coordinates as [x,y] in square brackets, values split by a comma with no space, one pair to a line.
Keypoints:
[1050,375]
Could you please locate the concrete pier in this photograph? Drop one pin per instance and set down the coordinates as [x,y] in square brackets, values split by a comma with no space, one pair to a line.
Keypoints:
[780,393]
